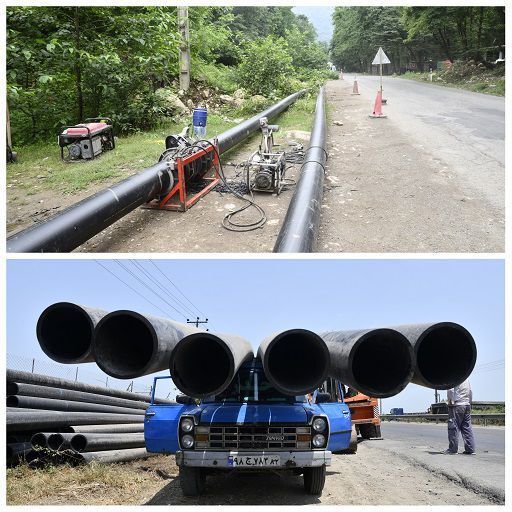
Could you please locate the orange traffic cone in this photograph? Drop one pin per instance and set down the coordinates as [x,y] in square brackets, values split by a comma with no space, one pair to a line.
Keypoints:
[377,109]
[355,89]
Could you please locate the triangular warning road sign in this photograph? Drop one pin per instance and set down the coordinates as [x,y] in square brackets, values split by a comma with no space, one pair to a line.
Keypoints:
[381,58]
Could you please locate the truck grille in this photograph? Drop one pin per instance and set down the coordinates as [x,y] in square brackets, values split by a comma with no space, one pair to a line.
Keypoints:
[255,438]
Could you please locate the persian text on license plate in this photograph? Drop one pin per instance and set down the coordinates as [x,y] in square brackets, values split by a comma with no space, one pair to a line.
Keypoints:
[253,460]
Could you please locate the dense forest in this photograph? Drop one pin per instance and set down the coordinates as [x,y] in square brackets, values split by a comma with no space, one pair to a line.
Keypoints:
[68,63]
[415,36]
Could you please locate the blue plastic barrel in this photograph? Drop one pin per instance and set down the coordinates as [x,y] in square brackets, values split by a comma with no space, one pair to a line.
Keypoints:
[199,116]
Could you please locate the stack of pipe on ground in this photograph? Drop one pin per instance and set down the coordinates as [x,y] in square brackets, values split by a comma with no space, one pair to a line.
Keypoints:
[47,416]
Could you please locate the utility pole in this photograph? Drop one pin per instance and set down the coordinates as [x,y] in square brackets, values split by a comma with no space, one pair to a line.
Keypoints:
[196,322]
[184,48]
[436,396]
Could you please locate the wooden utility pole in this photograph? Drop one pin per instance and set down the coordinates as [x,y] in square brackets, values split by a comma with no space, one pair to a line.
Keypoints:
[184,48]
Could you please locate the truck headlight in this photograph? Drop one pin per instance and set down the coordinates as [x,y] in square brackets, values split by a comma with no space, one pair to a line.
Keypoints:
[188,441]
[319,424]
[318,440]
[187,425]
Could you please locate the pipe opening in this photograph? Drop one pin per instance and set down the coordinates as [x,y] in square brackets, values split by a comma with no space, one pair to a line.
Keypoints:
[78,443]
[12,401]
[38,441]
[55,441]
[446,356]
[201,365]
[382,363]
[65,332]
[297,361]
[124,345]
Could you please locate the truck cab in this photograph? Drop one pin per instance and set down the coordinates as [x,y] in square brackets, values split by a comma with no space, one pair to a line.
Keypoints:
[250,426]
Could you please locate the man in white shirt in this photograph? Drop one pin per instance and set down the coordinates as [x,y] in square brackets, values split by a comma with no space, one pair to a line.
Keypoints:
[459,419]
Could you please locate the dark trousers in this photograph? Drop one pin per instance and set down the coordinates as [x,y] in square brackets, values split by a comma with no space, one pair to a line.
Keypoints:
[459,420]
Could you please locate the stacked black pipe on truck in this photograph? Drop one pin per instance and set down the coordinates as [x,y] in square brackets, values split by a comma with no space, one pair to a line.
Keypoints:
[108,424]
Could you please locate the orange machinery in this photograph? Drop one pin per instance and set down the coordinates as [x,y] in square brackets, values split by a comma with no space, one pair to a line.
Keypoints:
[365,414]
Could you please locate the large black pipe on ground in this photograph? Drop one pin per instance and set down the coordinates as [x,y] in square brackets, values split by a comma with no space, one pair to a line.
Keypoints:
[16,451]
[48,420]
[204,363]
[54,382]
[110,456]
[65,332]
[376,362]
[15,388]
[295,361]
[80,222]
[128,345]
[50,404]
[300,226]
[445,353]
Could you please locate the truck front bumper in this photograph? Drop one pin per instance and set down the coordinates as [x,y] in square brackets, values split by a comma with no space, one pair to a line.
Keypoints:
[221,460]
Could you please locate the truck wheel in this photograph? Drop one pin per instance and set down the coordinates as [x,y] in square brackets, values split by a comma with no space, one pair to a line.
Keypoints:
[314,480]
[369,431]
[192,480]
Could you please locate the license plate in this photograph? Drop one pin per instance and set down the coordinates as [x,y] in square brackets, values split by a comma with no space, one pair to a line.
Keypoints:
[251,461]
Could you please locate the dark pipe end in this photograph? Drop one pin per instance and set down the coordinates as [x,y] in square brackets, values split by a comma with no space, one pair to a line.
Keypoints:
[65,331]
[296,361]
[38,441]
[12,401]
[445,355]
[382,363]
[201,364]
[55,441]
[78,443]
[124,344]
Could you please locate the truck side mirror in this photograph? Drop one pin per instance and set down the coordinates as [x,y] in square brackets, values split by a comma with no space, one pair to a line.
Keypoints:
[184,400]
[323,398]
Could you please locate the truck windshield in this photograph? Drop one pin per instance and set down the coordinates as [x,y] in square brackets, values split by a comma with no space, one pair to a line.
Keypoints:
[251,385]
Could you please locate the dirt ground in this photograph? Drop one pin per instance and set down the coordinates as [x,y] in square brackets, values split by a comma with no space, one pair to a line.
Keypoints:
[370,477]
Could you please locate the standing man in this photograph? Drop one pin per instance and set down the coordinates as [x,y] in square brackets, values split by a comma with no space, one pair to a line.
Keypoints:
[459,419]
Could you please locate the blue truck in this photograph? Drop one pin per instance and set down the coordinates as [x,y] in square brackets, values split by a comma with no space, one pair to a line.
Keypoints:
[250,426]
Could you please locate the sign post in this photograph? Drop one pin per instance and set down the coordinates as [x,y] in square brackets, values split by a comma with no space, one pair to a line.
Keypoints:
[380,58]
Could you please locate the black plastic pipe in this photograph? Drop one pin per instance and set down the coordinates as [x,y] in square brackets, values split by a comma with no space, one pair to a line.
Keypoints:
[80,222]
[59,441]
[54,382]
[50,404]
[204,363]
[128,345]
[445,353]
[15,388]
[100,442]
[65,332]
[55,419]
[295,361]
[300,226]
[237,134]
[40,440]
[376,362]
[17,450]
[105,429]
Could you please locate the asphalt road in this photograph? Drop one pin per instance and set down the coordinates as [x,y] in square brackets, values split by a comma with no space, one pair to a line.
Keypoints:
[423,445]
[466,129]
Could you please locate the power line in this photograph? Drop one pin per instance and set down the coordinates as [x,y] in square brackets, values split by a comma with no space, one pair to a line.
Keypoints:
[131,287]
[185,297]
[149,288]
[164,290]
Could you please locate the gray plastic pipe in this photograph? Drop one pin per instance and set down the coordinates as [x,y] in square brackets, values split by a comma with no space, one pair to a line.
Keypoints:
[295,361]
[100,442]
[376,362]
[105,429]
[128,344]
[204,363]
[49,404]
[32,390]
[110,456]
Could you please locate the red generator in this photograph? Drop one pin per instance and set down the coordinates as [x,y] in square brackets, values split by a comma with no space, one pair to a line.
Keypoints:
[87,140]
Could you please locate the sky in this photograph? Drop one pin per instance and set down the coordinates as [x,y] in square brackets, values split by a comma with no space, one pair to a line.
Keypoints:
[320,17]
[256,297]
